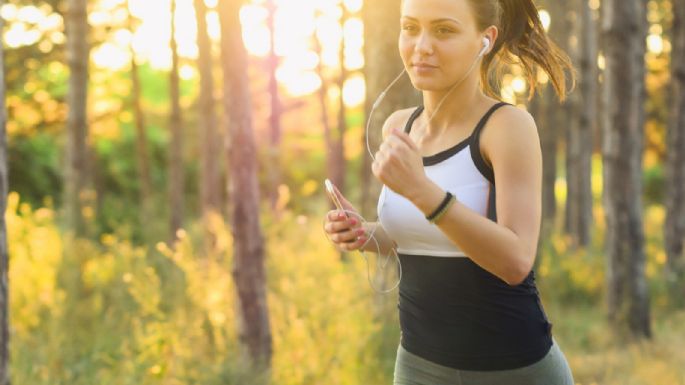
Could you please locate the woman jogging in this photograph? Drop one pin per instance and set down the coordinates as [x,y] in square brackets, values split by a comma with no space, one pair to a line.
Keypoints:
[461,199]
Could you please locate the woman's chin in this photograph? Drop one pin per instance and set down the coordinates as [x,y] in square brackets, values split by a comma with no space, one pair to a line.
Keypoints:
[428,84]
[424,85]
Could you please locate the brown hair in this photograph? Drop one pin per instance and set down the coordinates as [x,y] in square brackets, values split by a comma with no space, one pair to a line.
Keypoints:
[521,34]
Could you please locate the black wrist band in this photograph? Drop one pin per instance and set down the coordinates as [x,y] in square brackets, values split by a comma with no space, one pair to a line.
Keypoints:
[448,197]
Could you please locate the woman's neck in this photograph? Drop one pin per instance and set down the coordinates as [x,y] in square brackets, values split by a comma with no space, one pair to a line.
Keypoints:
[454,110]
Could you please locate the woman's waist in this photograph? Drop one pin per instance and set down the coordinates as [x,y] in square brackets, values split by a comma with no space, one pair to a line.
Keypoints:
[460,307]
[464,325]
[456,276]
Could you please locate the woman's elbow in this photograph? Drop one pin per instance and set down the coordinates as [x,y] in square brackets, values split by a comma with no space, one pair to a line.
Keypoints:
[519,271]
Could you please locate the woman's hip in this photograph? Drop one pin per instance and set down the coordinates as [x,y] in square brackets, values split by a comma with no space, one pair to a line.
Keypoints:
[552,369]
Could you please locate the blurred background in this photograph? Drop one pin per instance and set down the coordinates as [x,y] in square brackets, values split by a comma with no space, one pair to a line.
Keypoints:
[166,161]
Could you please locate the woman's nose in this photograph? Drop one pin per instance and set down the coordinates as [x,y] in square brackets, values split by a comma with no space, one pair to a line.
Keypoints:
[424,45]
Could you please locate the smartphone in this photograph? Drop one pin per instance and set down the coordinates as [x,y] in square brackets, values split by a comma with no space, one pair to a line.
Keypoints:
[331,193]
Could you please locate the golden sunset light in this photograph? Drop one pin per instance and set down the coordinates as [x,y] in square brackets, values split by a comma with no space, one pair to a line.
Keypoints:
[296,22]
[218,192]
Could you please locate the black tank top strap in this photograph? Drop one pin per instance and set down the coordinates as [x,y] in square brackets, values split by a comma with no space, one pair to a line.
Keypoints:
[475,144]
[486,117]
[412,118]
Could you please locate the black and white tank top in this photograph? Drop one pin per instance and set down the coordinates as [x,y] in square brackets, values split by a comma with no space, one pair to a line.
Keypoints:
[452,311]
[459,170]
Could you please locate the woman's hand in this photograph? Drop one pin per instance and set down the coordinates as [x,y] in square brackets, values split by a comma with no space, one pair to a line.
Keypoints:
[345,229]
[399,165]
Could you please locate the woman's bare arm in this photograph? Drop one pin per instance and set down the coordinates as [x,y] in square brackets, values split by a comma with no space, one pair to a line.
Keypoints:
[506,248]
[385,244]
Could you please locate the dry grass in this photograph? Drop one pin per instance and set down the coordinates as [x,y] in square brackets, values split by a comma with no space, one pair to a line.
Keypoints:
[597,358]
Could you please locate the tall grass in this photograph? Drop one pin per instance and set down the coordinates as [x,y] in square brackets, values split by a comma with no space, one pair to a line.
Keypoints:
[110,312]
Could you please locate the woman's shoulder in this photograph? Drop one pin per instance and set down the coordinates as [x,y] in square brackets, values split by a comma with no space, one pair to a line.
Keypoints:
[510,120]
[508,126]
[397,119]
[509,114]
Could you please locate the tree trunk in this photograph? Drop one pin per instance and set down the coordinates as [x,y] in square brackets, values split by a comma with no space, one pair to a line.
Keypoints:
[333,139]
[75,173]
[210,177]
[276,112]
[176,151]
[142,156]
[69,274]
[539,110]
[382,65]
[4,258]
[337,171]
[571,113]
[552,126]
[322,96]
[674,227]
[248,269]
[622,123]
[579,147]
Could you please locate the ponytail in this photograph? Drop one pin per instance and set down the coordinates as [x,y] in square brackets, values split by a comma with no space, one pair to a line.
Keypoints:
[521,36]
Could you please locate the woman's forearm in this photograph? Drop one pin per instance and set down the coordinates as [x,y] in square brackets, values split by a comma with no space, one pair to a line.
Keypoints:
[385,244]
[492,246]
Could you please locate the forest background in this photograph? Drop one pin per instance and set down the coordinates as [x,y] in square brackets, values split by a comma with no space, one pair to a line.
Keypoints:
[165,199]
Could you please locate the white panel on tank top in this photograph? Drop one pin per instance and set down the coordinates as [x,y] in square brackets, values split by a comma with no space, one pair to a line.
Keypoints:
[407,225]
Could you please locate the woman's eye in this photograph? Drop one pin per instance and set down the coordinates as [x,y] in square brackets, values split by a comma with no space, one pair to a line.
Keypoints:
[409,28]
[444,30]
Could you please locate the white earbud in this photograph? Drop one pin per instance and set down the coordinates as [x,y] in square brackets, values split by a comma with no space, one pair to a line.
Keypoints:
[486,45]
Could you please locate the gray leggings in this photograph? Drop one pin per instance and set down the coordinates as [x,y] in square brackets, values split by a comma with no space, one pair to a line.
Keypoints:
[552,369]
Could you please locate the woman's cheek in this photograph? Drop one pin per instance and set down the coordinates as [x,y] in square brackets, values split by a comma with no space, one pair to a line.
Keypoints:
[405,47]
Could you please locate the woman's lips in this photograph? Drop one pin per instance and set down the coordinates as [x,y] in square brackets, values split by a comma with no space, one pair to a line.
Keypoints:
[423,68]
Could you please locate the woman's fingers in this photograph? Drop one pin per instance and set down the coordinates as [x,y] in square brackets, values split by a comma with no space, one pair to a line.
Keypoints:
[355,241]
[352,246]
[335,215]
[348,236]
[347,233]
[340,225]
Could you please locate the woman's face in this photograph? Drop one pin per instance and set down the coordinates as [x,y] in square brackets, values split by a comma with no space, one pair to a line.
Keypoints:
[438,42]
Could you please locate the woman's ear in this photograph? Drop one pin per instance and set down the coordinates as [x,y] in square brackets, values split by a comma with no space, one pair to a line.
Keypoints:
[491,33]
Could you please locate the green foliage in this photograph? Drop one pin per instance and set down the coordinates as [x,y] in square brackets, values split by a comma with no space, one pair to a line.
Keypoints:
[105,312]
[596,357]
[34,168]
[35,172]
[654,185]
[35,78]
[110,312]
[155,86]
[571,275]
[118,181]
